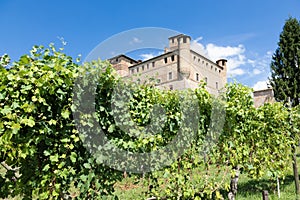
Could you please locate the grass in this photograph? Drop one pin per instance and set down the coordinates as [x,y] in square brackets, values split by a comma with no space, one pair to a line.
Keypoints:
[248,189]
[252,189]
[133,187]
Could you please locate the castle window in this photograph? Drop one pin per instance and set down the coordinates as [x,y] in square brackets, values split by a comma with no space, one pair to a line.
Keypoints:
[184,40]
[166,59]
[217,85]
[211,67]
[172,57]
[216,69]
[132,71]
[197,77]
[194,58]
[198,60]
[117,59]
[137,69]
[219,71]
[143,68]
[205,79]
[170,76]
[153,64]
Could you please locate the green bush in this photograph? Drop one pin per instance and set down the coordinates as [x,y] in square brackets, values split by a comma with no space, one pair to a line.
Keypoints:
[52,111]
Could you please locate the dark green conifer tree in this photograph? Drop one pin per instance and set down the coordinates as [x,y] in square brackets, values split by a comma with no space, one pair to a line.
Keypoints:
[285,77]
[285,71]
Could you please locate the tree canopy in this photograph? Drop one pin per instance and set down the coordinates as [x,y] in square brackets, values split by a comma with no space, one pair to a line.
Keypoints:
[285,72]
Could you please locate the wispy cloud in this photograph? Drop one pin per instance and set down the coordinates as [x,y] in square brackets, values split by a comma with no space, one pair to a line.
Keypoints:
[198,39]
[236,72]
[215,52]
[256,71]
[260,64]
[237,38]
[147,56]
[261,85]
[240,62]
[135,40]
[198,47]
[234,54]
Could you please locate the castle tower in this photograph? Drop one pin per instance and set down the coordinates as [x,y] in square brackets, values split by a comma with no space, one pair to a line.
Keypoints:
[222,64]
[182,43]
[121,63]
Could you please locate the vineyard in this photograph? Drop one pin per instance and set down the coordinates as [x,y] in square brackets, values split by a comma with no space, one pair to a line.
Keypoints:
[71,130]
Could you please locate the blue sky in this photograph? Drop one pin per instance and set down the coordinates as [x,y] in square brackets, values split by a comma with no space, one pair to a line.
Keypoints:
[245,32]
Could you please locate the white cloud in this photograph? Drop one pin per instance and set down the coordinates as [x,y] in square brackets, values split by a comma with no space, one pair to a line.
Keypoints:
[198,39]
[239,62]
[198,47]
[147,56]
[235,62]
[261,85]
[216,52]
[234,55]
[260,64]
[135,40]
[236,72]
[250,61]
[256,71]
[270,54]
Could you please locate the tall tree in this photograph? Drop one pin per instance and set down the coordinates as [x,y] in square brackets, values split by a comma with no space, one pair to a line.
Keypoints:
[285,71]
[285,75]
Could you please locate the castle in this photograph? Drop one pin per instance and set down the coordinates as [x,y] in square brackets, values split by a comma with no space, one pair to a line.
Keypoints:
[179,67]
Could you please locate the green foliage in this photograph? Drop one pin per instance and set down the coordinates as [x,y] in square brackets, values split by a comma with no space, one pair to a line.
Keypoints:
[4,61]
[295,121]
[45,95]
[256,140]
[177,180]
[285,70]
[37,132]
[285,73]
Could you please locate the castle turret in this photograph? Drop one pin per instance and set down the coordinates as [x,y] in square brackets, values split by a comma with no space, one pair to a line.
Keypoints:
[182,44]
[222,64]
